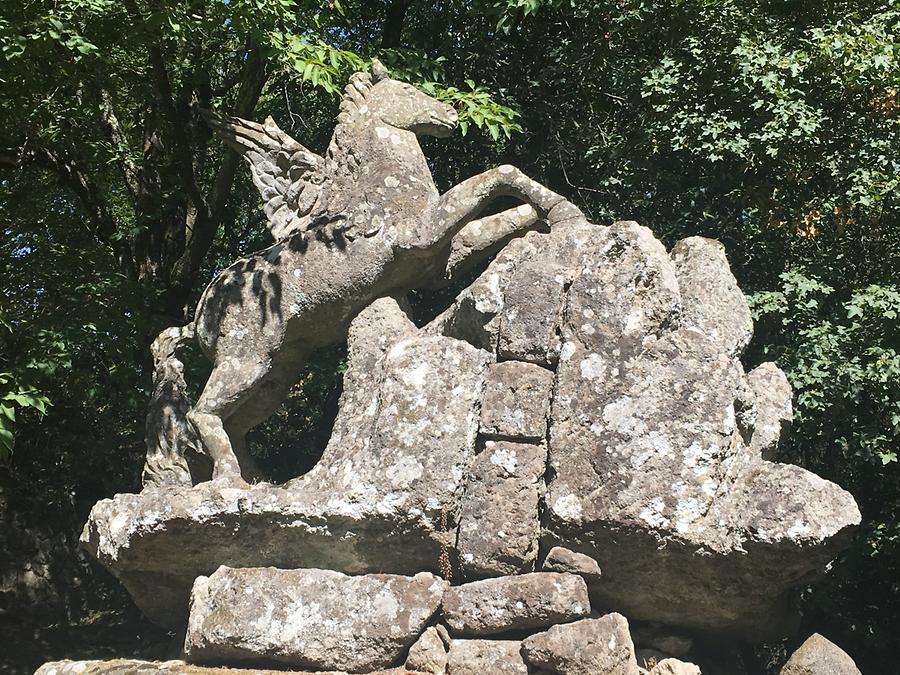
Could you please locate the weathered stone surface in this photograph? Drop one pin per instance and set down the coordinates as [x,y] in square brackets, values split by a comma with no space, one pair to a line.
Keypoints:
[398,459]
[819,656]
[587,647]
[475,315]
[674,667]
[774,409]
[499,521]
[711,299]
[310,618]
[519,602]
[516,401]
[561,559]
[428,654]
[136,667]
[648,447]
[480,657]
[532,309]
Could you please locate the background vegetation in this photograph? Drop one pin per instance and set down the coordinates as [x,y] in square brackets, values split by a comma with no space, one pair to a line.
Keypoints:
[771,125]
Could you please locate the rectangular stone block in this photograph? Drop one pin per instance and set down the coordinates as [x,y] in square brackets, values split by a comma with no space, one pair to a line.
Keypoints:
[530,318]
[499,522]
[309,618]
[480,657]
[516,401]
[521,602]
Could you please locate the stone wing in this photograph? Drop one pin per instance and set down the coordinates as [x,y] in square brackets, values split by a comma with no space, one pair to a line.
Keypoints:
[289,177]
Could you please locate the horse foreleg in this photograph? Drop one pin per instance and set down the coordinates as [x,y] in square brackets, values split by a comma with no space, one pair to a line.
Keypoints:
[230,384]
[483,237]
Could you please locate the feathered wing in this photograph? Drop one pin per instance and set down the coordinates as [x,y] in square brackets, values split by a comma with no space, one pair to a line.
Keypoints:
[288,176]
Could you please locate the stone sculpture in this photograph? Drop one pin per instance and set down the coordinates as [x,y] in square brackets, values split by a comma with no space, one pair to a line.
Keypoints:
[363,222]
[573,440]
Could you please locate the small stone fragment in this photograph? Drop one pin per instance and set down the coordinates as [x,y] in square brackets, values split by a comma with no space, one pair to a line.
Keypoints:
[774,409]
[499,522]
[588,647]
[674,667]
[712,301]
[308,618]
[561,559]
[428,654]
[486,657]
[819,656]
[516,401]
[521,602]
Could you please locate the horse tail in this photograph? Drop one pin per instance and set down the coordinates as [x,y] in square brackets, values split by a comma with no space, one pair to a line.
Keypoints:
[168,433]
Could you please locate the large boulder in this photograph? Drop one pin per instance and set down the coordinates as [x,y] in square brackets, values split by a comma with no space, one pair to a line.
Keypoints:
[316,619]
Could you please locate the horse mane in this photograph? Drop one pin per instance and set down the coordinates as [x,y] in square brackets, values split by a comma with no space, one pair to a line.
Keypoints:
[341,164]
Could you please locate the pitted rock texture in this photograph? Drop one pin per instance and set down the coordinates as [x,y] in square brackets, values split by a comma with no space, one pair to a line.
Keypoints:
[711,299]
[136,667]
[819,656]
[315,619]
[521,602]
[499,525]
[588,647]
[428,654]
[560,559]
[480,657]
[516,401]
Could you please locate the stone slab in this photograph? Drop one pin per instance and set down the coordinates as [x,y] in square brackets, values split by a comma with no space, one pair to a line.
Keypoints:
[316,619]
[522,602]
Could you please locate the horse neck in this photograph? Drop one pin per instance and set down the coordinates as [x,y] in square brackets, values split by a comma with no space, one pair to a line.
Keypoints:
[361,139]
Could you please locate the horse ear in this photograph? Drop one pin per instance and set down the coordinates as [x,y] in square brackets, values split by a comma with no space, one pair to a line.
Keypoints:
[379,72]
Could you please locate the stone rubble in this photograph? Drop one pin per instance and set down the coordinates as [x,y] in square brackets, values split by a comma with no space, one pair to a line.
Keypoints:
[561,559]
[428,654]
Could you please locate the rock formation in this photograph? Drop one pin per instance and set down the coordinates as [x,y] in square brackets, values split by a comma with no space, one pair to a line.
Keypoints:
[573,441]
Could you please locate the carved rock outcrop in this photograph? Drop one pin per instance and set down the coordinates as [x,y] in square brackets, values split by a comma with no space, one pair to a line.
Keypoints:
[655,441]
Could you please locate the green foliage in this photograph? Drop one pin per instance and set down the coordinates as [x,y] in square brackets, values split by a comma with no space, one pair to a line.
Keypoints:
[840,356]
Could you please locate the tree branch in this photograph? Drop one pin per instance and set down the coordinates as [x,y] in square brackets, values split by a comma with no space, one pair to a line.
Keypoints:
[70,175]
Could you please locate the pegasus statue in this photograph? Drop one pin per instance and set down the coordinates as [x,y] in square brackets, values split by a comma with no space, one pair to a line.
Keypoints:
[364,221]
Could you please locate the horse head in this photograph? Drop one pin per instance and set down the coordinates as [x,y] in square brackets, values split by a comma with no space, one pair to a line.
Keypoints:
[402,106]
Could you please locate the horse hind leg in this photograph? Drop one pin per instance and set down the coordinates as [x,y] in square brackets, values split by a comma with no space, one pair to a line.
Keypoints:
[232,382]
